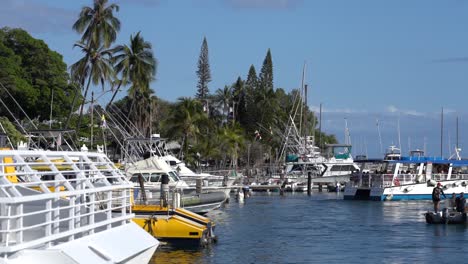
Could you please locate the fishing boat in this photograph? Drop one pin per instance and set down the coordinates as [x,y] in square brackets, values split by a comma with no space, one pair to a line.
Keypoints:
[79,213]
[149,172]
[336,161]
[408,178]
[392,153]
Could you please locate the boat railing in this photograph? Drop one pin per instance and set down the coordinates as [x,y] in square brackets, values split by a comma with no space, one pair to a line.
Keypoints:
[368,180]
[44,202]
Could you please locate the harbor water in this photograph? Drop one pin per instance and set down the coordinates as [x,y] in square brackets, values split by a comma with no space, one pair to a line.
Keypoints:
[323,228]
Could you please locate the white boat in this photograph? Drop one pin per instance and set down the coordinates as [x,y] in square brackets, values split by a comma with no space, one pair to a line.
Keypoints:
[392,153]
[337,161]
[409,178]
[150,172]
[190,177]
[67,207]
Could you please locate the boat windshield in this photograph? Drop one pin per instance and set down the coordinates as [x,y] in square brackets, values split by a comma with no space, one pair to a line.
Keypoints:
[173,176]
[147,177]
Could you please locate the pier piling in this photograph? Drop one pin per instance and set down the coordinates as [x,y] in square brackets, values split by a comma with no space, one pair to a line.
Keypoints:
[309,183]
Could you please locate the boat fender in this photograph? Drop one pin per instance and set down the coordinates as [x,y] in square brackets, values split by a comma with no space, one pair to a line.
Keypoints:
[431,183]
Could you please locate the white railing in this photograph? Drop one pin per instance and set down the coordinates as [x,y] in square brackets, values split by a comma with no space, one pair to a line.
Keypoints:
[369,180]
[49,197]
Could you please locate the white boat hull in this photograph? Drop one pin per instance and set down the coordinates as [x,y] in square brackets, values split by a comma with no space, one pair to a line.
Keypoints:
[416,191]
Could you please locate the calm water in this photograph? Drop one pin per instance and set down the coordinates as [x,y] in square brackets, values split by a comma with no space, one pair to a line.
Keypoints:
[324,228]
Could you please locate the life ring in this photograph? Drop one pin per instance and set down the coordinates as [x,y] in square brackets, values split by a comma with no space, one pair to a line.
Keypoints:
[396,182]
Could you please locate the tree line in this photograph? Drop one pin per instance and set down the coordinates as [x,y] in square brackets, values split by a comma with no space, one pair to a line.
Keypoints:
[242,122]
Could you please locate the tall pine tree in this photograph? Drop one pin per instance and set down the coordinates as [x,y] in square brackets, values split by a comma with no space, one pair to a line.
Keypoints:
[251,86]
[266,73]
[203,72]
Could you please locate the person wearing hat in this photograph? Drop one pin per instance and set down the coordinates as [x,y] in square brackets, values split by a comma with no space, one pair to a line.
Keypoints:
[436,192]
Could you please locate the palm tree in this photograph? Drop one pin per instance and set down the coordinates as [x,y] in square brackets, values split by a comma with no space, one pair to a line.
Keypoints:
[188,114]
[95,66]
[136,64]
[98,24]
[232,139]
[99,28]
[224,97]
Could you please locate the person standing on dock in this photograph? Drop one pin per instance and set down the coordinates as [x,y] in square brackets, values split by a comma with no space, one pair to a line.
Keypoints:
[436,196]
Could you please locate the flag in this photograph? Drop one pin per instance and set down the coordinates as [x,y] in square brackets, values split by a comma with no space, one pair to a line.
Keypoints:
[103,122]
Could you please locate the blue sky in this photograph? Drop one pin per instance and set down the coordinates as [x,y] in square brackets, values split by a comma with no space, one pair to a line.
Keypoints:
[366,59]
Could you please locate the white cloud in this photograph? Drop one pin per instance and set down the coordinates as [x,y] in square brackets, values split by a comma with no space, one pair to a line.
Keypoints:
[35,17]
[412,113]
[395,110]
[392,109]
[316,109]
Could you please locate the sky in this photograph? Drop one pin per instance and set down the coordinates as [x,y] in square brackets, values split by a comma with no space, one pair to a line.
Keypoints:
[397,61]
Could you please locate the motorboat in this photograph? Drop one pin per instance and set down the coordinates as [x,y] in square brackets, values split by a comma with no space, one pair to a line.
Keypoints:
[148,173]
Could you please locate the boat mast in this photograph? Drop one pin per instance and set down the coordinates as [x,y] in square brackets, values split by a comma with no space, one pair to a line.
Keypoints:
[399,136]
[441,130]
[305,116]
[320,127]
[380,138]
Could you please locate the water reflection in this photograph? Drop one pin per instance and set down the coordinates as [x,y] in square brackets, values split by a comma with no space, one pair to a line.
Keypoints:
[168,255]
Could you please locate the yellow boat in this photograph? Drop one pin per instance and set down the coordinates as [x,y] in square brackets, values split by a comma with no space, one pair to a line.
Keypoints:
[176,226]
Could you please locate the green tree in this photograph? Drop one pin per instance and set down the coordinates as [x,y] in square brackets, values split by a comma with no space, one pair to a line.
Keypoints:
[136,64]
[32,73]
[185,121]
[203,72]
[14,136]
[95,67]
[266,73]
[223,98]
[232,140]
[99,28]
[98,24]
[238,99]
[250,119]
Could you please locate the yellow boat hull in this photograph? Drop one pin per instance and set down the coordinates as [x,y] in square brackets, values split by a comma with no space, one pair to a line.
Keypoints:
[174,226]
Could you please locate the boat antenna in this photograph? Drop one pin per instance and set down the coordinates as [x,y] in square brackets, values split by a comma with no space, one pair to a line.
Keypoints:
[347,134]
[380,137]
[399,135]
[51,104]
[449,143]
[457,132]
[365,146]
[302,96]
[425,141]
[409,143]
